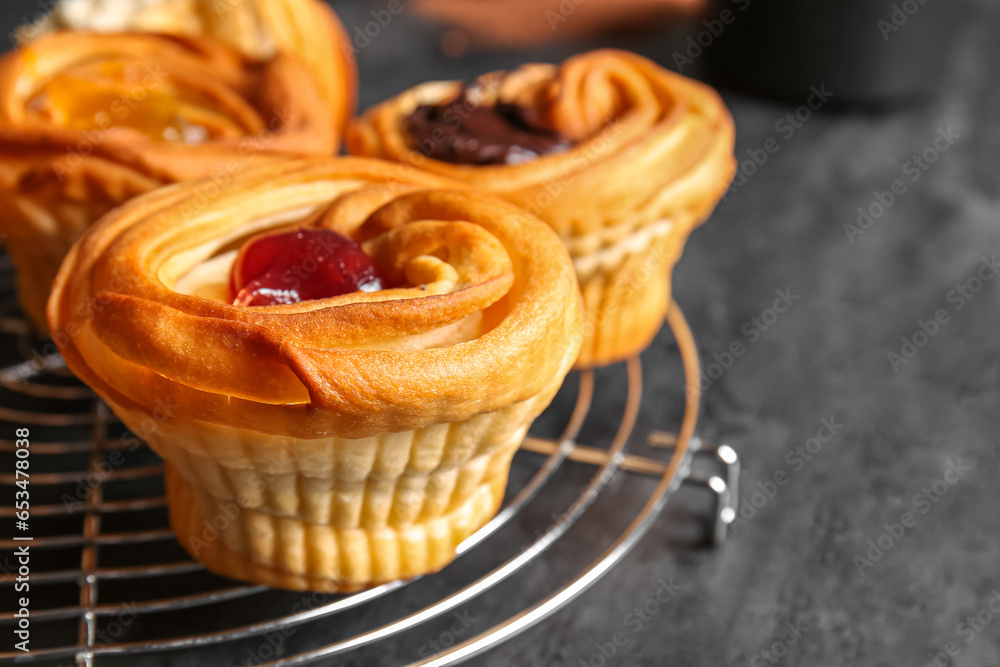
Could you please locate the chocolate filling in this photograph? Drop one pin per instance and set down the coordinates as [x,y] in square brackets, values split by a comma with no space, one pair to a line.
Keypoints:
[461,131]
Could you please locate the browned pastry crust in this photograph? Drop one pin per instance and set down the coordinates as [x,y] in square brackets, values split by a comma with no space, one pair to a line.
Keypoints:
[306,29]
[68,155]
[360,437]
[653,155]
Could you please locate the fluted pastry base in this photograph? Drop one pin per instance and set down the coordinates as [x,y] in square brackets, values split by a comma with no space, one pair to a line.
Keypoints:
[625,293]
[283,552]
[335,515]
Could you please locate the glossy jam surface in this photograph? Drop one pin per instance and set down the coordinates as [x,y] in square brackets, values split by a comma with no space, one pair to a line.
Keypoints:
[300,265]
[110,95]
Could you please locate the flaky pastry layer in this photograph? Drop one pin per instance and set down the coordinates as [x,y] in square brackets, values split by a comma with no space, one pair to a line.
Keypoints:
[330,366]
[306,29]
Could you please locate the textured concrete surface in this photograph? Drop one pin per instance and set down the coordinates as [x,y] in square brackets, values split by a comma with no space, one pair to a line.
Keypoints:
[874,547]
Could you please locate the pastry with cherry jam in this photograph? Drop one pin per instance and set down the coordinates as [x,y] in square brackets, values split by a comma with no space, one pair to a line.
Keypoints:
[336,359]
[620,156]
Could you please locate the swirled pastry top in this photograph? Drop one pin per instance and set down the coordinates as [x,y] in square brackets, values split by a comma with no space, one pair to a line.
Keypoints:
[482,311]
[171,107]
[646,142]
[261,29]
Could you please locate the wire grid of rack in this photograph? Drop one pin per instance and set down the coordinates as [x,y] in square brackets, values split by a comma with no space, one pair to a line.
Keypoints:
[99,526]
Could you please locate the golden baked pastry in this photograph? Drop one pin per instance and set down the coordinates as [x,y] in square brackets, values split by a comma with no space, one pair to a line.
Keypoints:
[621,157]
[89,120]
[261,29]
[335,443]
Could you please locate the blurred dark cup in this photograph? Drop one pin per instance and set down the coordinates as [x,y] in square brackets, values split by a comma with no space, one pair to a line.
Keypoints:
[865,51]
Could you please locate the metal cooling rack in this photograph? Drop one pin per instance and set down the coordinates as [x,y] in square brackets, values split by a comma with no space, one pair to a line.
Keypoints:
[100,535]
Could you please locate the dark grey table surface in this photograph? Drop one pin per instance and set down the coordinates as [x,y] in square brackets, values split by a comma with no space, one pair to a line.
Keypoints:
[873,548]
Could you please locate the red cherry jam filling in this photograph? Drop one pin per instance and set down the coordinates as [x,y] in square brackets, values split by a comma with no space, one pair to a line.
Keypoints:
[300,265]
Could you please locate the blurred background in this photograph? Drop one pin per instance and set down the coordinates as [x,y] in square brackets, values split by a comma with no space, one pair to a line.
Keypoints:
[868,140]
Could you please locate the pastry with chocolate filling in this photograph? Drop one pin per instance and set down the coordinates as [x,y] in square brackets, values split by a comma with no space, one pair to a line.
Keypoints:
[89,120]
[349,353]
[620,156]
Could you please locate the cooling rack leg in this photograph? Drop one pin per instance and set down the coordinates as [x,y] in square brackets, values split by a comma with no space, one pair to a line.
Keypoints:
[722,482]
[724,486]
